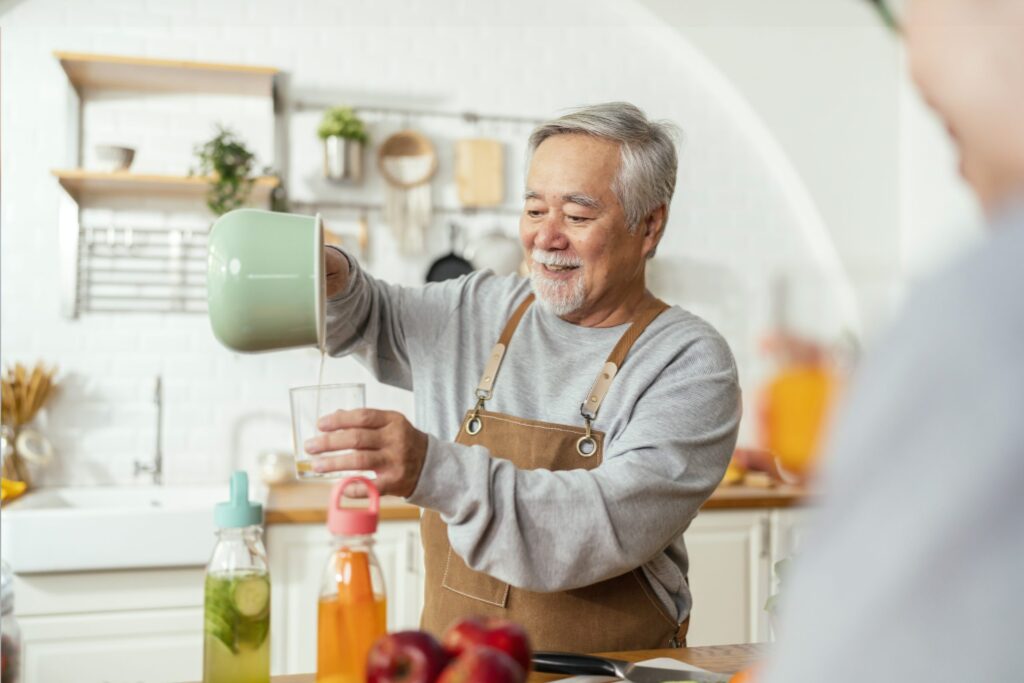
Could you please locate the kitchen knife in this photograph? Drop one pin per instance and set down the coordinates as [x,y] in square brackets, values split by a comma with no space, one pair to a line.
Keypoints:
[589,665]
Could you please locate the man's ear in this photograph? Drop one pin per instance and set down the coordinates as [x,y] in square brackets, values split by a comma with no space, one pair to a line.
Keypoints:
[654,227]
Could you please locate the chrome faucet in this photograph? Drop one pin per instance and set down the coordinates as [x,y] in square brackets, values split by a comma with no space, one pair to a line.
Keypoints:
[156,466]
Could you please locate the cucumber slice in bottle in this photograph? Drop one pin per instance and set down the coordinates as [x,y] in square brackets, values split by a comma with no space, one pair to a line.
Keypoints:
[251,595]
[252,633]
[221,630]
[219,612]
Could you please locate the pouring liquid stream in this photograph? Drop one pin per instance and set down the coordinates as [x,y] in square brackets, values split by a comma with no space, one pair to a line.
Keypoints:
[305,467]
[319,382]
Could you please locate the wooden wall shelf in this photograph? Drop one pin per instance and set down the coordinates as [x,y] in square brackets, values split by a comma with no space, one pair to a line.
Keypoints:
[79,182]
[91,71]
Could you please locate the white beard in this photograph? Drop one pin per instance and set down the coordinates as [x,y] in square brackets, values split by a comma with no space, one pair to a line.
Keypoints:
[560,297]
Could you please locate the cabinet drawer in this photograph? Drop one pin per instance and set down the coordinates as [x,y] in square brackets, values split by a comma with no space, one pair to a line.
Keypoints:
[156,646]
[82,592]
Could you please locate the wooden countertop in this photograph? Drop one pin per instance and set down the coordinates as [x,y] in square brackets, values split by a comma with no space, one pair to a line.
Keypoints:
[724,659]
[306,502]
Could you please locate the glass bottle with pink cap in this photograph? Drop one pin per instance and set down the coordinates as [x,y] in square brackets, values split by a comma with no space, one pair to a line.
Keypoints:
[352,612]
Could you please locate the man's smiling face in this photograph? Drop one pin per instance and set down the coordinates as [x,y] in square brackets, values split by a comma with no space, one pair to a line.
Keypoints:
[584,262]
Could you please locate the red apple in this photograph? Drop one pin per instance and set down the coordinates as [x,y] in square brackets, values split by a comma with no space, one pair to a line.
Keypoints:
[501,634]
[405,657]
[482,664]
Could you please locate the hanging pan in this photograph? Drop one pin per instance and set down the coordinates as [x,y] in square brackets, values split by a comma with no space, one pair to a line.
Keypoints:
[451,265]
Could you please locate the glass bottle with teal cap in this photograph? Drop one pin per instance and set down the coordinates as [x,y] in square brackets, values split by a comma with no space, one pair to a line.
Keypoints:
[236,644]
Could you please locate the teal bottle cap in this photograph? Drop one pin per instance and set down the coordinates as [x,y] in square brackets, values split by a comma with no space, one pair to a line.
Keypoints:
[239,511]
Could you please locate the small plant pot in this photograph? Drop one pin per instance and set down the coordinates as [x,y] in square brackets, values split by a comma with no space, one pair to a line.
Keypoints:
[343,159]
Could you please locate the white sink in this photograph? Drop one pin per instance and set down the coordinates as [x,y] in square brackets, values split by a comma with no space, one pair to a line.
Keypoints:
[78,529]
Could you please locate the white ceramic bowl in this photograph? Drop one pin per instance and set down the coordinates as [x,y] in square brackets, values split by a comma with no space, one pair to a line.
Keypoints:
[113,158]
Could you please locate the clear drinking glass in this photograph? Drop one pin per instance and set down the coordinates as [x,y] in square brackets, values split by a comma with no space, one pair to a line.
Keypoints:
[308,405]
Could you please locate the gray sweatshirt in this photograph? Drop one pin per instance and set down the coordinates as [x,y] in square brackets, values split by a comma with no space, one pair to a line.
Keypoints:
[670,420]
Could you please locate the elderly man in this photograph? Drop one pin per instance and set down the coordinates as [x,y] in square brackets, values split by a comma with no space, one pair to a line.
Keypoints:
[574,422]
[914,570]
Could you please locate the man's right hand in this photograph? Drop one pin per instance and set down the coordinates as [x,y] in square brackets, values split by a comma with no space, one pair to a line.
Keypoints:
[336,270]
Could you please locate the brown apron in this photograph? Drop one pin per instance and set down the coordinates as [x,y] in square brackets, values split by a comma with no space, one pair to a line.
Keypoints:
[621,613]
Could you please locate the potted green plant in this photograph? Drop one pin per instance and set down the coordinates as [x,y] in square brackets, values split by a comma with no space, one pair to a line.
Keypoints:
[344,135]
[229,165]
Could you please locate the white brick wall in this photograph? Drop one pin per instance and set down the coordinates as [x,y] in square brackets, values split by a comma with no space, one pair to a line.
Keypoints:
[740,212]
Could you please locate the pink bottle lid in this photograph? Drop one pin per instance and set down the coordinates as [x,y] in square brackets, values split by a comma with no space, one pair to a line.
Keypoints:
[350,521]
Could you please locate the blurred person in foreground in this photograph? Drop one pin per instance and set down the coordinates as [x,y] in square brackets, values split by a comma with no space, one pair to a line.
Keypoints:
[914,569]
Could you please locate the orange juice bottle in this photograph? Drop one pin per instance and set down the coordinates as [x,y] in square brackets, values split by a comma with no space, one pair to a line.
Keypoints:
[806,378]
[352,611]
[795,411]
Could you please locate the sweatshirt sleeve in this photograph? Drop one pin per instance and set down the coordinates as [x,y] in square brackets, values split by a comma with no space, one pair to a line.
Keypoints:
[379,322]
[550,531]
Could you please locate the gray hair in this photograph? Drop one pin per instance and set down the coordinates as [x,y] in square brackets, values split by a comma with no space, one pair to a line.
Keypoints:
[648,159]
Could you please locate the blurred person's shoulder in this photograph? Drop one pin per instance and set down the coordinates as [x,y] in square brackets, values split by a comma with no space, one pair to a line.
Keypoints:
[945,381]
[959,333]
[979,297]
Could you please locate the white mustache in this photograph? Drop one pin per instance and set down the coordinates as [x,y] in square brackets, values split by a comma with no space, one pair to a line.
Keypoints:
[554,258]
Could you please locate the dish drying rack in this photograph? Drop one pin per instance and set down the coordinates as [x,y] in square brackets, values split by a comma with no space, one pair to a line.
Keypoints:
[140,270]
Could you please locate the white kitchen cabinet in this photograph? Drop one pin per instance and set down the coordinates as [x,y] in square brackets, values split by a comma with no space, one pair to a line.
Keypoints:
[787,534]
[731,557]
[732,553]
[156,646]
[146,625]
[297,555]
[788,526]
[111,627]
[729,553]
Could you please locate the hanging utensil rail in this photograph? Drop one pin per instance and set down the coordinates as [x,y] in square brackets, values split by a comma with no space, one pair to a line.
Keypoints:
[369,207]
[467,116]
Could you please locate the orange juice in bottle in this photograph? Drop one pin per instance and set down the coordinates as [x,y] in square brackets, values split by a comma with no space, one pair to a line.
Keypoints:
[795,411]
[797,398]
[351,613]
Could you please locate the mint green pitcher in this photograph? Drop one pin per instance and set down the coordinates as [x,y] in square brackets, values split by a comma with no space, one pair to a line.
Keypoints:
[265,283]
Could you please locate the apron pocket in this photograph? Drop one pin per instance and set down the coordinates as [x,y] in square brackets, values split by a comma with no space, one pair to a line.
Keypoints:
[459,578]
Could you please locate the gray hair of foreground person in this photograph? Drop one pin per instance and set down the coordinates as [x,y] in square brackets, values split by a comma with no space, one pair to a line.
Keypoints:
[648,158]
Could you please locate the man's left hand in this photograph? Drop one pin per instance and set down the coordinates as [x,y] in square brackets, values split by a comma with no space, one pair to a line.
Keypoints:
[379,440]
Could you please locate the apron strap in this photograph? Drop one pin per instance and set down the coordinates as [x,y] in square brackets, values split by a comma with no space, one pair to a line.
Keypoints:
[644,317]
[486,385]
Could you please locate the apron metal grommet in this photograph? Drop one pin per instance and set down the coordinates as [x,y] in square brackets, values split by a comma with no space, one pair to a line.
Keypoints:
[474,424]
[586,446]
